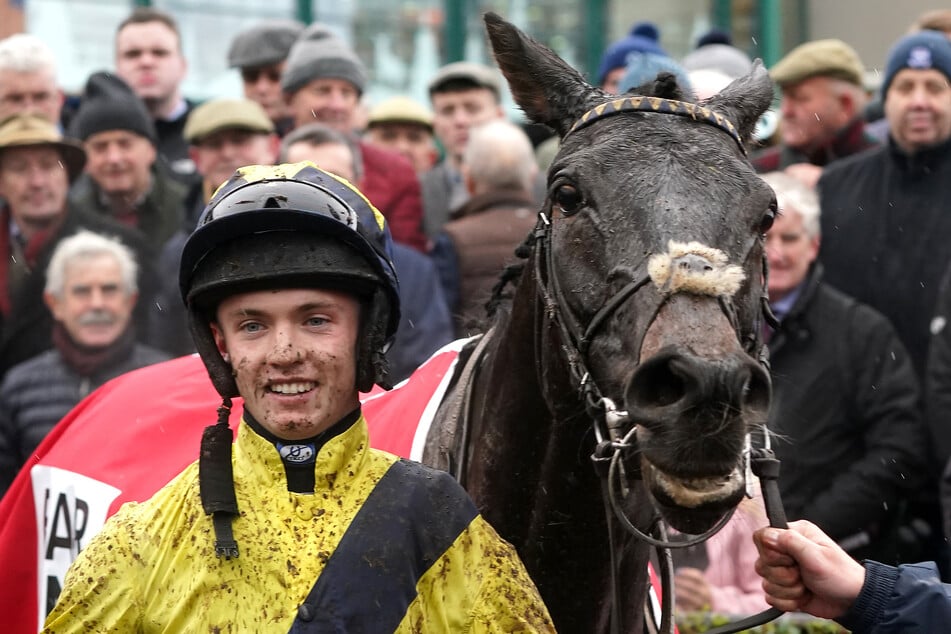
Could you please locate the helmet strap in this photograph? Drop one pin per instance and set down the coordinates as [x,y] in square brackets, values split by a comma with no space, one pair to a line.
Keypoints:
[372,366]
[216,481]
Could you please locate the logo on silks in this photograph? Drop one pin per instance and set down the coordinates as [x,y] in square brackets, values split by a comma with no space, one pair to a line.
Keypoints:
[920,57]
[297,454]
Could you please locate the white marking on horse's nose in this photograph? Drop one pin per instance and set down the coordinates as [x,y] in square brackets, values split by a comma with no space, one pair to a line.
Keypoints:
[696,268]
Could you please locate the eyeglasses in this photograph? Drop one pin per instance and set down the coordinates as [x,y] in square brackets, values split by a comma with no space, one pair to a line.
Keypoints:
[251,75]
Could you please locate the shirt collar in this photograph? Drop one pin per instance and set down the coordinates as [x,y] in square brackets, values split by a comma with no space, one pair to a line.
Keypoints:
[782,306]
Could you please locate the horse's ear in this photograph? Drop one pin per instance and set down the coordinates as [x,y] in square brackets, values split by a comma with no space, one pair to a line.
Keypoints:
[745,99]
[547,89]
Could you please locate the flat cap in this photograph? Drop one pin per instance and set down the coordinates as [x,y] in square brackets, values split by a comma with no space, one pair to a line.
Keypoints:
[267,42]
[821,58]
[223,114]
[479,75]
[400,109]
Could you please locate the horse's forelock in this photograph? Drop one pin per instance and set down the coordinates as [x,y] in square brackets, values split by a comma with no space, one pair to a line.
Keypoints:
[665,86]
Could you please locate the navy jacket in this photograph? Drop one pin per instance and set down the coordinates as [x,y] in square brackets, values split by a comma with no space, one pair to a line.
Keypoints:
[902,600]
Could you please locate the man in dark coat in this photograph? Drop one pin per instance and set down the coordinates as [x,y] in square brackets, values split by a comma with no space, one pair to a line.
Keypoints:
[149,58]
[886,224]
[124,179]
[91,291]
[845,407]
[481,237]
[886,221]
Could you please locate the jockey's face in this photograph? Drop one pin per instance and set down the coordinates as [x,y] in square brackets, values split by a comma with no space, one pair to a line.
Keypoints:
[293,353]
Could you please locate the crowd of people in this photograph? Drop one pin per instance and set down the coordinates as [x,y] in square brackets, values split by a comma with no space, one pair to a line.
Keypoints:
[102,201]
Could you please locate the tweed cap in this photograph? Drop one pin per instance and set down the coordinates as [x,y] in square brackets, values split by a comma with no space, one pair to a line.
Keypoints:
[320,54]
[820,58]
[267,42]
[26,130]
[923,50]
[222,114]
[479,75]
[400,109]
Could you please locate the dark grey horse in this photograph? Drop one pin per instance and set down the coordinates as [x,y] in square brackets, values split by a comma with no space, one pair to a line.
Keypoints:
[642,291]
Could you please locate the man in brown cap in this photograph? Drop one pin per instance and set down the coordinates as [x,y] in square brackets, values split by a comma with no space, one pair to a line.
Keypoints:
[405,126]
[223,135]
[821,111]
[37,165]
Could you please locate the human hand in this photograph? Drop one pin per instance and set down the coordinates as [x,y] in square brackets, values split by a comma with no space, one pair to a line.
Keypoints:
[804,570]
[691,590]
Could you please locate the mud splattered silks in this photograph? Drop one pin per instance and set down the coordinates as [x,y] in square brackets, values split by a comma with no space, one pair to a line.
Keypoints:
[402,547]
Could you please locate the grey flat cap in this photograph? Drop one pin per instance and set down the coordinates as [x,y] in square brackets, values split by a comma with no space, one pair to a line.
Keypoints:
[267,42]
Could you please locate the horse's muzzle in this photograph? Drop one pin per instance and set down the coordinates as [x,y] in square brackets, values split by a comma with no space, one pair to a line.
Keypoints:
[673,383]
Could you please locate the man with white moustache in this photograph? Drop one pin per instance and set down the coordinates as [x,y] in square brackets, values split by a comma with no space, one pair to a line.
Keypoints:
[91,291]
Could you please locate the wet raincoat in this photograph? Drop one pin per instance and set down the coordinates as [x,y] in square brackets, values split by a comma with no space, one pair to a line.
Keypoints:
[382,545]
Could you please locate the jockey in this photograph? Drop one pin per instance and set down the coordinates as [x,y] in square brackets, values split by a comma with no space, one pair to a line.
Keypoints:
[298,525]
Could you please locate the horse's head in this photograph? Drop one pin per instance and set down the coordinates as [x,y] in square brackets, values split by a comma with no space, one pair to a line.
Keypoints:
[655,257]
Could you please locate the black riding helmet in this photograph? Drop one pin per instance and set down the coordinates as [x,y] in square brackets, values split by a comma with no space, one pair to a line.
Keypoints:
[294,226]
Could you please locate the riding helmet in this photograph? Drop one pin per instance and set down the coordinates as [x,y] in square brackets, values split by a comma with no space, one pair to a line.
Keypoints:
[290,226]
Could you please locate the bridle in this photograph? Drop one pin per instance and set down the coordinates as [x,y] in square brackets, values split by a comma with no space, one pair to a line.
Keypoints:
[608,423]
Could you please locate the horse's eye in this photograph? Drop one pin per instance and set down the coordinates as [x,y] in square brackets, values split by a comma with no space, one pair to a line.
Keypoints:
[767,220]
[568,198]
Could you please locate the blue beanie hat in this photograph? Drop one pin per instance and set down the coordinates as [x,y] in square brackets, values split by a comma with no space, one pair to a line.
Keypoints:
[643,38]
[643,67]
[923,50]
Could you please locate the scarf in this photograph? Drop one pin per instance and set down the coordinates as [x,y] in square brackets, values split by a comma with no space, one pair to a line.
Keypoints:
[86,361]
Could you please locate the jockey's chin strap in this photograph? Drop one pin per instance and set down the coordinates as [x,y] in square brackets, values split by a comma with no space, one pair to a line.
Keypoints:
[608,421]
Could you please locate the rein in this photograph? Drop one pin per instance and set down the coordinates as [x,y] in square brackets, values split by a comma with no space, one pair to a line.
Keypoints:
[607,420]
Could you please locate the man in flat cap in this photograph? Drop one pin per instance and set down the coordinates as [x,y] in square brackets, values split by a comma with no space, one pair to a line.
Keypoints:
[260,54]
[822,84]
[886,224]
[405,126]
[223,135]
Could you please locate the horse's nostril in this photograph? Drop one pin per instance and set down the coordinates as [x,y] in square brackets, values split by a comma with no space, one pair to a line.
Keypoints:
[687,381]
[757,394]
[657,383]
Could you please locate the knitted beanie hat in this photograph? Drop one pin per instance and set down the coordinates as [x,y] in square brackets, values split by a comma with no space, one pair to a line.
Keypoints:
[108,103]
[643,38]
[319,53]
[923,50]
[724,58]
